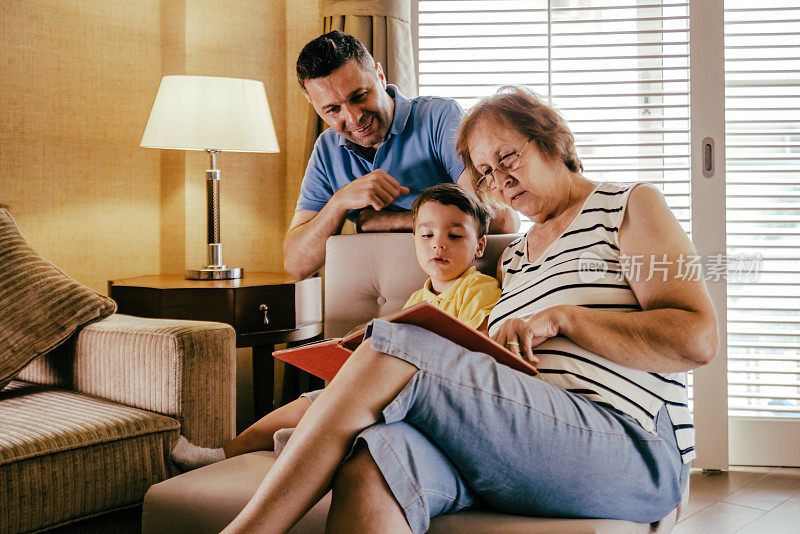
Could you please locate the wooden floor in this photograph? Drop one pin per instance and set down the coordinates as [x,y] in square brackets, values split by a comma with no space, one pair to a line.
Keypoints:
[746,500]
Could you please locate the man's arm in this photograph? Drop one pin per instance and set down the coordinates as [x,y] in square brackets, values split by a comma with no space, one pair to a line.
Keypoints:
[304,245]
[504,221]
[370,220]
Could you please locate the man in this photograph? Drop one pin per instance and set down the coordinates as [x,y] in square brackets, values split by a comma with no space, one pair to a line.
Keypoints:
[380,151]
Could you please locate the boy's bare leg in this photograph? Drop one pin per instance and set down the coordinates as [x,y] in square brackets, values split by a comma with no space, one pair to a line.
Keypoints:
[258,436]
[365,384]
[362,500]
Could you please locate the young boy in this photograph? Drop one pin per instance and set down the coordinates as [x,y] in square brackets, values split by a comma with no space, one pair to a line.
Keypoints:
[450,226]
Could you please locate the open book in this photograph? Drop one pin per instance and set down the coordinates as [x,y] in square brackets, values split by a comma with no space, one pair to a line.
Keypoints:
[325,358]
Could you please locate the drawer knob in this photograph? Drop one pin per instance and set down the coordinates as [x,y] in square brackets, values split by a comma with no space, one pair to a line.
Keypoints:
[265,309]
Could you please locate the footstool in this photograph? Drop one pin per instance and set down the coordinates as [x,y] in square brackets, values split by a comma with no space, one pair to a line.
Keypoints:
[207,499]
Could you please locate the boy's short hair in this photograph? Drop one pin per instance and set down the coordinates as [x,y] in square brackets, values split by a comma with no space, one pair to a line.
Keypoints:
[452,194]
[328,52]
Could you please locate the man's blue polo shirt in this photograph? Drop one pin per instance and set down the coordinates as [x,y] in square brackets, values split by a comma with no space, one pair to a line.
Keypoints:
[419,151]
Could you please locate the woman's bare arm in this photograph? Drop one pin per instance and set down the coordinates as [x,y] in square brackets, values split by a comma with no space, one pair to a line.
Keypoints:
[677,329]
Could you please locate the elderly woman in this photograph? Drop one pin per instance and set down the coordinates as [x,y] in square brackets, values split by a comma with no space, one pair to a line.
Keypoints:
[427,428]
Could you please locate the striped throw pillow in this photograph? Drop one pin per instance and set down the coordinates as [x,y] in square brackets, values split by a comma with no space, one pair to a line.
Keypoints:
[40,306]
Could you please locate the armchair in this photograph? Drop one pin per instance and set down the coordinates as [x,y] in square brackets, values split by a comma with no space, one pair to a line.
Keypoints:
[86,429]
[366,275]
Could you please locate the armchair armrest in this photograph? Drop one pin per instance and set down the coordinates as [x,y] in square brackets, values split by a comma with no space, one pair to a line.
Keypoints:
[184,369]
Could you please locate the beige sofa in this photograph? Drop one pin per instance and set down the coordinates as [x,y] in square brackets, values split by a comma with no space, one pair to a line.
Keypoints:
[366,275]
[87,429]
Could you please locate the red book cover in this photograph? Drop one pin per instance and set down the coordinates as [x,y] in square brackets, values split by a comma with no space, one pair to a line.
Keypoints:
[324,358]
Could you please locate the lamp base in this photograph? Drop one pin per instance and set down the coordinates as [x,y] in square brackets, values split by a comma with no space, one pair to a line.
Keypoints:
[213,274]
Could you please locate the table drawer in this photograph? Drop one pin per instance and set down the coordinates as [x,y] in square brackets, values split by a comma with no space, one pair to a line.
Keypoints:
[198,305]
[192,304]
[287,306]
[279,313]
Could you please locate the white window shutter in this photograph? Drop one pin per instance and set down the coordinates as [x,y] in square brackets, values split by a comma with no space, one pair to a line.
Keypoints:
[618,71]
[762,122]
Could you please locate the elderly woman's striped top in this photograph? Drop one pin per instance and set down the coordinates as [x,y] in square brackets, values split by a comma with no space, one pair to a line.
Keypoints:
[582,267]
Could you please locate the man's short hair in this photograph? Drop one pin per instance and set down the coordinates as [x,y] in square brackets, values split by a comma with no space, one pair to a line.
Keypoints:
[328,52]
[452,194]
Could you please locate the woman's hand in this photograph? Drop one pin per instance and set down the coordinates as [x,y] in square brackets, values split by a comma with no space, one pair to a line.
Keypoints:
[521,335]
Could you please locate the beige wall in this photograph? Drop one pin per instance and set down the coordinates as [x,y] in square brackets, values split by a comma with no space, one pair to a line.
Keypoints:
[77,80]
[243,39]
[302,17]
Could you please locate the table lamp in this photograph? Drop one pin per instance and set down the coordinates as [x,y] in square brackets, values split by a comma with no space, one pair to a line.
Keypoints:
[212,114]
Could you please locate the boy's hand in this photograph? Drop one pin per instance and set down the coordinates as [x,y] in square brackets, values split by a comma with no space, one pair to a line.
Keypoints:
[355,329]
[363,326]
[484,327]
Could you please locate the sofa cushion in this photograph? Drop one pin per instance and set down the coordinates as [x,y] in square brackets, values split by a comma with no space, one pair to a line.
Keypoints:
[355,296]
[41,305]
[65,456]
[207,499]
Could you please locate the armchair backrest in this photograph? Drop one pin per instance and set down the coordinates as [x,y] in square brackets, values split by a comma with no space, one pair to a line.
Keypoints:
[369,275]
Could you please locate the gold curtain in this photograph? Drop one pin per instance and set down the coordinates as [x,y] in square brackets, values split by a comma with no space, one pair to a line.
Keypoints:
[384,26]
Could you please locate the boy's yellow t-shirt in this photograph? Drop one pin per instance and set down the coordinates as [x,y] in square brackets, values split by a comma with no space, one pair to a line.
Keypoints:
[469,299]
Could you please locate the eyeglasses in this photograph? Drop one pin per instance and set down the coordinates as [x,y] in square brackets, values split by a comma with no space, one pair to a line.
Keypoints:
[507,163]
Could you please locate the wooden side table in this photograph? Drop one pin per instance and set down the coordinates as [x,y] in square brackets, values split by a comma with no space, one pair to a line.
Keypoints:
[265,309]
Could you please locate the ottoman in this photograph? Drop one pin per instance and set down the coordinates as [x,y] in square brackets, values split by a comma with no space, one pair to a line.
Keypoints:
[207,499]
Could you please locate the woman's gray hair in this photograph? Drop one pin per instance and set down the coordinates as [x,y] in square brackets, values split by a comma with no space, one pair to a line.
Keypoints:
[522,110]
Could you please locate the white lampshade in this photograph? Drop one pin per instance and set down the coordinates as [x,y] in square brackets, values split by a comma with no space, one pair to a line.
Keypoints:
[210,113]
